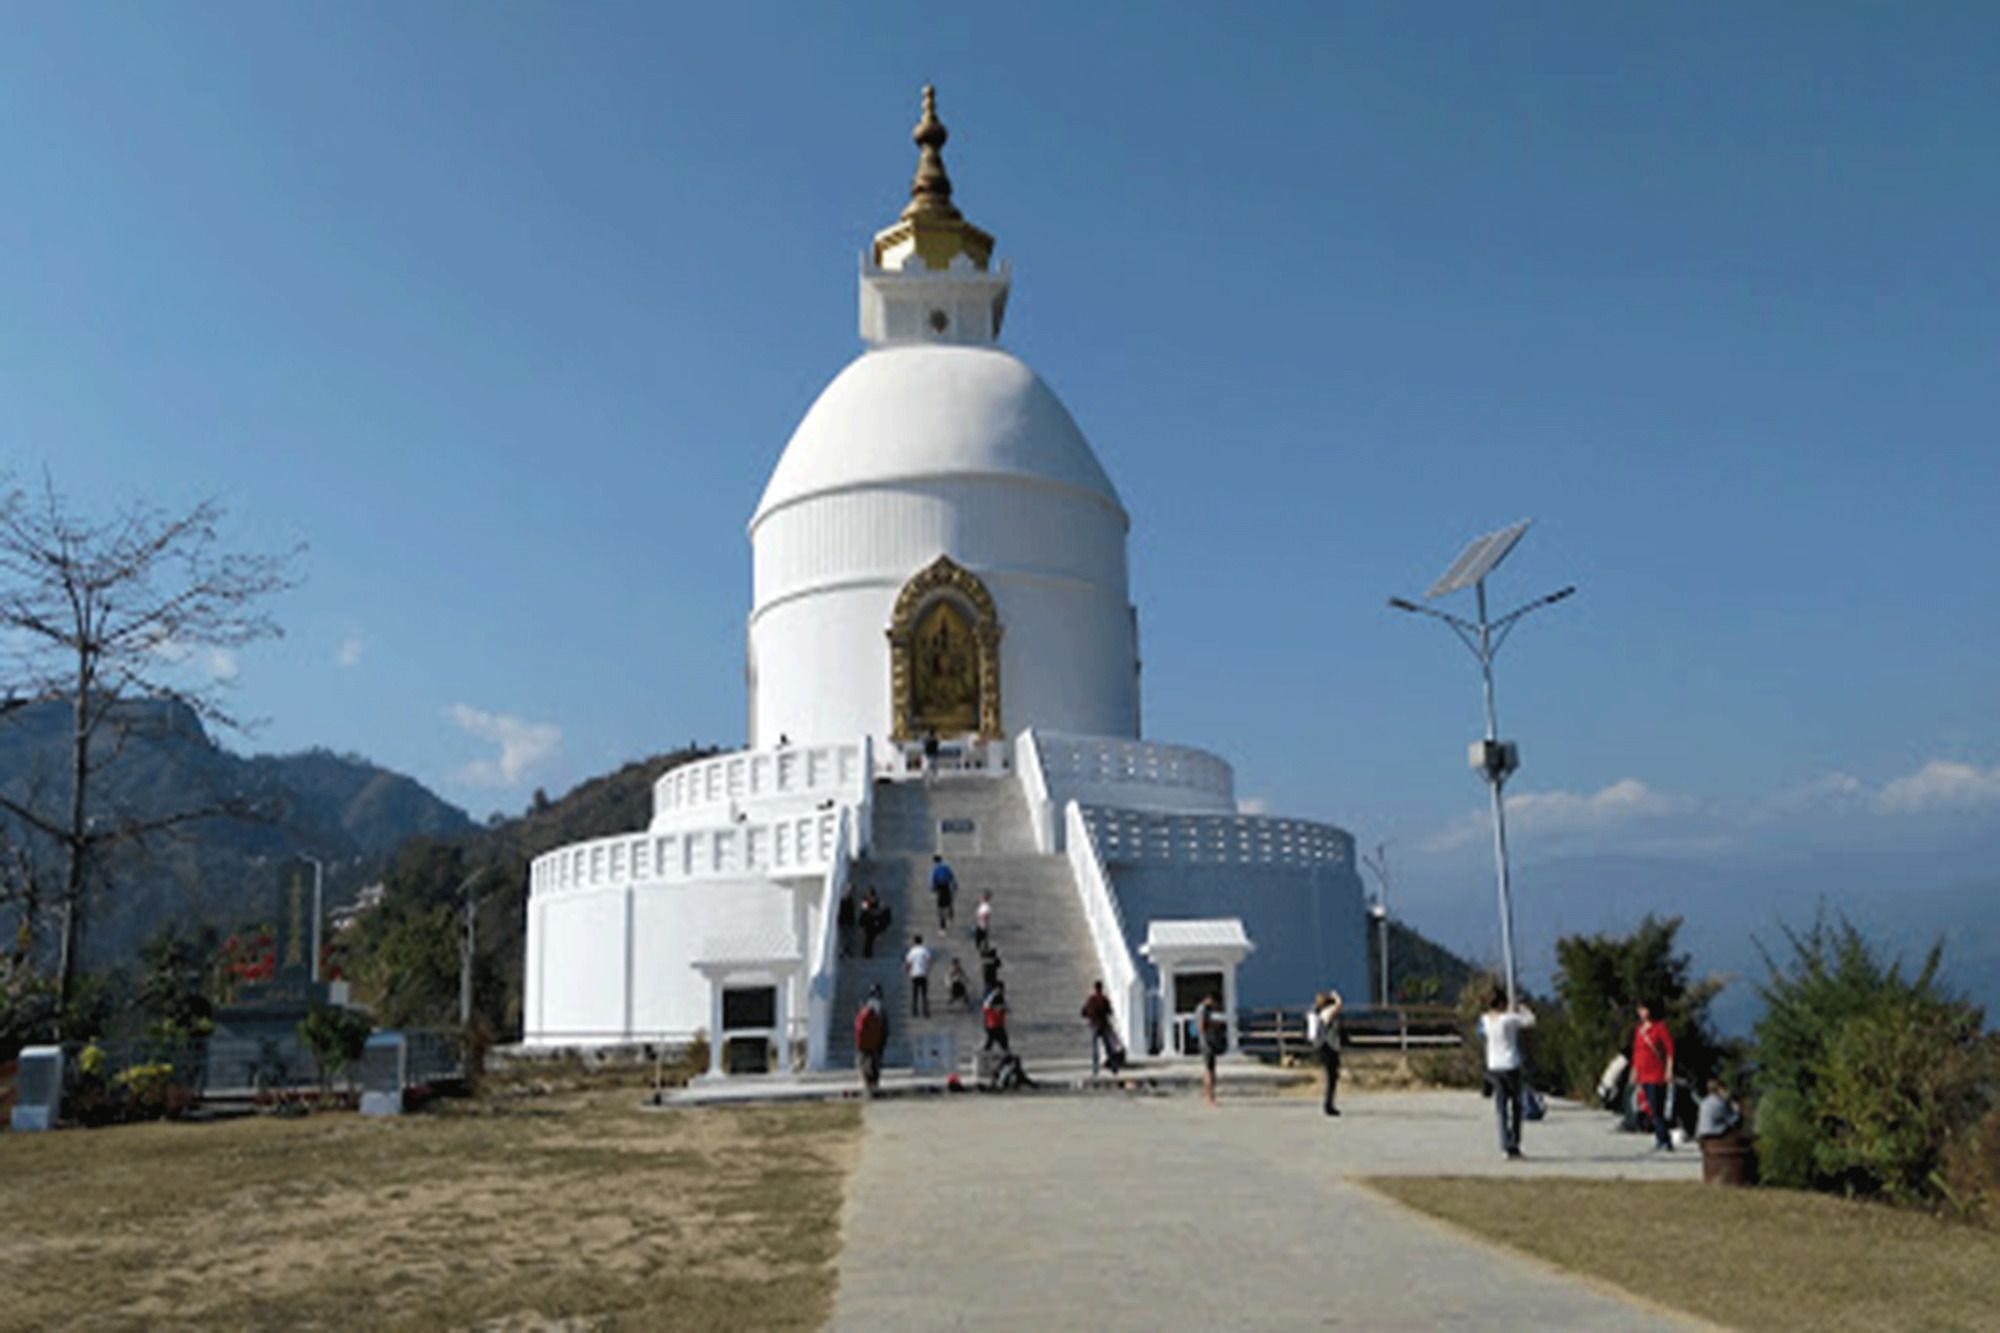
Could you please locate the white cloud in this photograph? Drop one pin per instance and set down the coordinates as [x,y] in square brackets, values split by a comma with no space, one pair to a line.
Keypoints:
[350,651]
[1253,805]
[1626,801]
[218,664]
[1834,791]
[523,744]
[1940,784]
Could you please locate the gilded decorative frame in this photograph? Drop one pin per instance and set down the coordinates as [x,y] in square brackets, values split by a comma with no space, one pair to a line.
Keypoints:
[943,577]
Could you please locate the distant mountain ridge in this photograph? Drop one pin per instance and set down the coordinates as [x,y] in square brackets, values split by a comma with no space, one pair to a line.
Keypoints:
[158,758]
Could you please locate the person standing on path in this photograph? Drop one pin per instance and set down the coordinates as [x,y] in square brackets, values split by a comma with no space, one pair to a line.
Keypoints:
[943,885]
[874,919]
[982,921]
[1323,1031]
[1097,1013]
[1210,1031]
[1502,1029]
[871,1038]
[993,1013]
[1653,1071]
[989,969]
[917,964]
[930,756]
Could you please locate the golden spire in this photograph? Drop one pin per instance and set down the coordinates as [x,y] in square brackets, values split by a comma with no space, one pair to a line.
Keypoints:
[931,227]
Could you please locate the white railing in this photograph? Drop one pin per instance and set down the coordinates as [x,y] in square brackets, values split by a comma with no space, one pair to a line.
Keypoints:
[746,776]
[1105,770]
[1107,929]
[823,982]
[863,828]
[802,844]
[1035,786]
[1125,837]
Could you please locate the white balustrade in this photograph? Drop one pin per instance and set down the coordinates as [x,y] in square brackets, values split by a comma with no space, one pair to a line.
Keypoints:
[1131,836]
[746,776]
[803,844]
[1105,770]
[823,982]
[1107,929]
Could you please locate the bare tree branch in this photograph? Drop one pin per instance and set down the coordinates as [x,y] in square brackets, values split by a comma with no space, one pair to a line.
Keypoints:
[106,614]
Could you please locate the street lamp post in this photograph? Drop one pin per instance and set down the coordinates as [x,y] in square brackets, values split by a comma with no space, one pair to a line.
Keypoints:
[319,876]
[1379,863]
[1495,759]
[469,945]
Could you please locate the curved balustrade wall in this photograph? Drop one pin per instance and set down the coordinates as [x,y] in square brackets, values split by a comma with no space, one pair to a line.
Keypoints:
[798,845]
[713,786]
[1291,881]
[1057,768]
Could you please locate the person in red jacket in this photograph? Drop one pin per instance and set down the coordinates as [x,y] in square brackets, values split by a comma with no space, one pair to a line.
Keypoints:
[871,1037]
[1653,1071]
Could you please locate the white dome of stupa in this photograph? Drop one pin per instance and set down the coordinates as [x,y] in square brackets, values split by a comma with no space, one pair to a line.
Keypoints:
[938,549]
[935,410]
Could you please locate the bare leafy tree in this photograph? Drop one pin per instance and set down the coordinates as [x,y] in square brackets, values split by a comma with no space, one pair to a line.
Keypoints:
[104,615]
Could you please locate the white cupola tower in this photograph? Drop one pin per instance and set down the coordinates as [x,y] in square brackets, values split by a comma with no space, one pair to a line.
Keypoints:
[938,549]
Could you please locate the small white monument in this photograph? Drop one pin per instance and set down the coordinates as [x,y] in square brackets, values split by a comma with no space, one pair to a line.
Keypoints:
[1195,960]
[38,1089]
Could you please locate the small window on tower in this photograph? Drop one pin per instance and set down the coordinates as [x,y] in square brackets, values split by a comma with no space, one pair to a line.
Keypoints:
[939,321]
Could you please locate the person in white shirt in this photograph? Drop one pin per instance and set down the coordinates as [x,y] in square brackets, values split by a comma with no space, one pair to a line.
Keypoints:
[917,964]
[1323,1031]
[1502,1029]
[982,921]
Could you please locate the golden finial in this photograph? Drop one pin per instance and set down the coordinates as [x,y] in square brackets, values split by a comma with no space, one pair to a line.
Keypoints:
[930,228]
[930,190]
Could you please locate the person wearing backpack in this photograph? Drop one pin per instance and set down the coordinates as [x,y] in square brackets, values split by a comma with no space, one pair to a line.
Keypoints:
[1323,1031]
[871,1038]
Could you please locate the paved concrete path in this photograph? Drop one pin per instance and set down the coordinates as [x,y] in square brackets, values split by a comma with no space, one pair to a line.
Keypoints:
[1114,1212]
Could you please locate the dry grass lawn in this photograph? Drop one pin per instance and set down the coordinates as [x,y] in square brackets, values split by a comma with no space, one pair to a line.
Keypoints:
[1753,1259]
[579,1210]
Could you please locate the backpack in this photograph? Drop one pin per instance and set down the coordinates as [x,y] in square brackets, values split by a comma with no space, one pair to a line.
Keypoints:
[868,1029]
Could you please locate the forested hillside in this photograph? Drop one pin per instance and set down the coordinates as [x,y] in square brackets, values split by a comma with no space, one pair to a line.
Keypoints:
[348,812]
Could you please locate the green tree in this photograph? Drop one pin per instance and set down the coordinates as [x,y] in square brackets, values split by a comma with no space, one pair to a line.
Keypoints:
[336,1037]
[175,967]
[1600,982]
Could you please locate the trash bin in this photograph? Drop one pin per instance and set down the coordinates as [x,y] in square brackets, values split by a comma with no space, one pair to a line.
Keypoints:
[1726,1159]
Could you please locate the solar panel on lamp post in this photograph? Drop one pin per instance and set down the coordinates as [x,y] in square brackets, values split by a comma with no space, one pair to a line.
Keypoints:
[1494,758]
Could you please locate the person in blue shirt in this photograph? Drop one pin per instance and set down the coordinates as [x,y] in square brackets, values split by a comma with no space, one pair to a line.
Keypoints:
[944,886]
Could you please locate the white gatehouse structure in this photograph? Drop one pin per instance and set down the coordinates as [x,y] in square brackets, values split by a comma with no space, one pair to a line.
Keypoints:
[939,563]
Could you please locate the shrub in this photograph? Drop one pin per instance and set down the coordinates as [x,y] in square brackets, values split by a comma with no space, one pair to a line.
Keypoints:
[149,1087]
[1866,1076]
[336,1037]
[1971,1176]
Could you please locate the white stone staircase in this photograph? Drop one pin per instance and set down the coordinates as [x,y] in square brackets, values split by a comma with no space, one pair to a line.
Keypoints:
[1047,959]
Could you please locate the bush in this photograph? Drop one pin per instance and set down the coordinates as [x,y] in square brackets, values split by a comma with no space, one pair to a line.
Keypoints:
[149,1088]
[1895,1086]
[1971,1175]
[1865,1076]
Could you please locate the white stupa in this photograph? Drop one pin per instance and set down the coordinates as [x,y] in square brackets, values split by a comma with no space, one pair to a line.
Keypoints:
[939,562]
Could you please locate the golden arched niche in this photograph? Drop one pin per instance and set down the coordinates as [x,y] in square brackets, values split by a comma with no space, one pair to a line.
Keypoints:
[944,655]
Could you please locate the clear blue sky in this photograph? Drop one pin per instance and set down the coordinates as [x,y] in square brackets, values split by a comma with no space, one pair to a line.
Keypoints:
[507,310]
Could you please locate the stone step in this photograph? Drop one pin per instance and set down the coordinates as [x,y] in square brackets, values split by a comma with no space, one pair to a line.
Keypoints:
[1038,927]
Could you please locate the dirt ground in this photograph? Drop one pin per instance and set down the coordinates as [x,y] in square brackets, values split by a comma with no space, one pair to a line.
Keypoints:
[577,1210]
